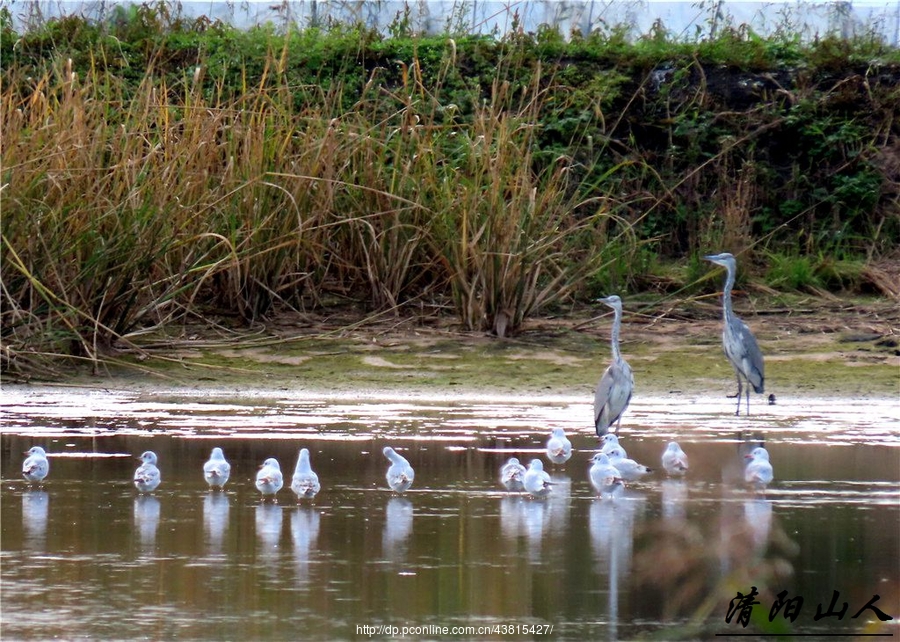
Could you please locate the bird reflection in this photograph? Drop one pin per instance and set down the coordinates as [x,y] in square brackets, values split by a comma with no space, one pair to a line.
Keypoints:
[146,520]
[674,499]
[304,532]
[35,512]
[268,529]
[534,520]
[758,518]
[611,525]
[558,503]
[216,506]
[512,516]
[398,522]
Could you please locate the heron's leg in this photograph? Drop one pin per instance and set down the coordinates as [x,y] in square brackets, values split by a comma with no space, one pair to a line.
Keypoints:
[737,413]
[748,399]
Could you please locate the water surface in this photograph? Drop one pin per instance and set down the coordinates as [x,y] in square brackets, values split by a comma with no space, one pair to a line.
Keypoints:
[664,559]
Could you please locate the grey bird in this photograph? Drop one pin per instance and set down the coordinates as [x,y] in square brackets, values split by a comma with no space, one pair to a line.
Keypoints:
[614,390]
[739,343]
[146,477]
[629,469]
[759,471]
[36,465]
[674,460]
[216,471]
[512,474]
[605,477]
[269,479]
[559,448]
[536,480]
[304,483]
[400,474]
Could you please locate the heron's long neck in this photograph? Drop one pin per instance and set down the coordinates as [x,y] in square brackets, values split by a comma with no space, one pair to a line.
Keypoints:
[726,293]
[614,340]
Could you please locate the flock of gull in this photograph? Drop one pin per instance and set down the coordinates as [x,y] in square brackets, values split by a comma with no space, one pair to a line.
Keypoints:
[610,467]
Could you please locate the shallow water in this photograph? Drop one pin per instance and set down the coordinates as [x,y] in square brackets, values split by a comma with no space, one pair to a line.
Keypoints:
[456,550]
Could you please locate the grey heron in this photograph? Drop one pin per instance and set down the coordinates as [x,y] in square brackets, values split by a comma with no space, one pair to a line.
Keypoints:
[737,340]
[614,390]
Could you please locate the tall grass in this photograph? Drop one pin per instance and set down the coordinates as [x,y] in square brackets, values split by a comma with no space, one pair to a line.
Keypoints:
[127,211]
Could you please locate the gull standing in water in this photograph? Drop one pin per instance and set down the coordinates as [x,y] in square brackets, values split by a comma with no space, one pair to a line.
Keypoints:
[605,477]
[758,472]
[674,461]
[629,469]
[216,471]
[739,343]
[305,483]
[400,474]
[609,442]
[146,477]
[614,390]
[559,448]
[269,479]
[36,465]
[511,475]
[536,480]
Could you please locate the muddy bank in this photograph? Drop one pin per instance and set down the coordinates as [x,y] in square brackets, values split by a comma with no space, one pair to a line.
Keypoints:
[832,348]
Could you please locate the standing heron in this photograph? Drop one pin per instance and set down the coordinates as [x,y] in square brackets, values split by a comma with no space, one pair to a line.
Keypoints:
[616,385]
[739,343]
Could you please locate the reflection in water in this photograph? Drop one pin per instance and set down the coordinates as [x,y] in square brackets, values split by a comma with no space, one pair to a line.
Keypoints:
[35,511]
[512,516]
[611,523]
[674,499]
[146,520]
[534,520]
[758,516]
[558,503]
[304,532]
[268,529]
[216,506]
[398,523]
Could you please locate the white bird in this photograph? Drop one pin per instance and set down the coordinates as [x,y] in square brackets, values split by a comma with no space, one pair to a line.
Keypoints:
[400,474]
[269,479]
[738,341]
[216,471]
[511,475]
[629,469]
[674,460]
[614,389]
[605,477]
[559,448]
[305,483]
[36,465]
[610,441]
[759,471]
[536,480]
[146,477]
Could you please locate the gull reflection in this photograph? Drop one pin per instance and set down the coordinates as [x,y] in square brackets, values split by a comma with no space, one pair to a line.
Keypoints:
[674,499]
[146,520]
[398,522]
[512,516]
[35,511]
[268,530]
[534,519]
[758,518]
[558,503]
[304,532]
[216,506]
